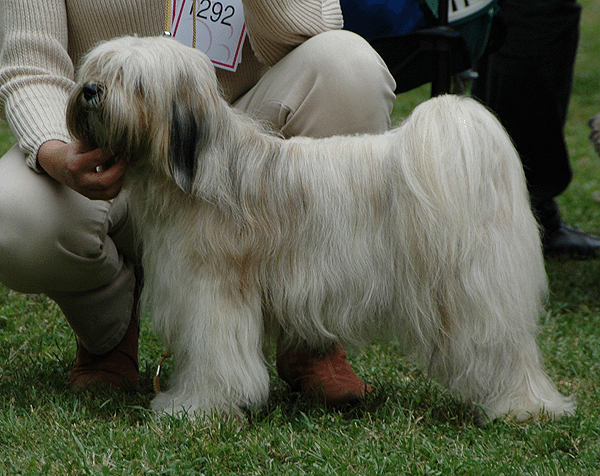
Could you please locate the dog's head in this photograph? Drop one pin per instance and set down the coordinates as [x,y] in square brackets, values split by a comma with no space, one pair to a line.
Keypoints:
[148,99]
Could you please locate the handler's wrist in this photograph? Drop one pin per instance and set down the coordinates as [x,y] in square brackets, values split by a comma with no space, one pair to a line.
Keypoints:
[47,154]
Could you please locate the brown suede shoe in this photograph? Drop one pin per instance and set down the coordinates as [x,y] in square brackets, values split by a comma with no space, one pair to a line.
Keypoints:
[117,369]
[327,377]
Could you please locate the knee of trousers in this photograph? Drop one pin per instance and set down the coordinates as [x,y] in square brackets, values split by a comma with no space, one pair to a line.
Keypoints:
[342,86]
[51,238]
[38,257]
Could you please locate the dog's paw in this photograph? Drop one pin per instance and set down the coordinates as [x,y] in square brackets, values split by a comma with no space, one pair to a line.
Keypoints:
[167,404]
[553,408]
[182,406]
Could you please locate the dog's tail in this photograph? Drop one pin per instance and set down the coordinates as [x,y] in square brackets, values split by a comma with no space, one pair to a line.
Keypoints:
[472,260]
[467,199]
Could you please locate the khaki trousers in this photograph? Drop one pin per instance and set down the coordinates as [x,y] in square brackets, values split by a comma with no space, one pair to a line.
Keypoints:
[80,252]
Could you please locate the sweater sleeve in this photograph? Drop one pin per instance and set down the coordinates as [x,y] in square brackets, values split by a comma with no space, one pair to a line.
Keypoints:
[36,72]
[275,27]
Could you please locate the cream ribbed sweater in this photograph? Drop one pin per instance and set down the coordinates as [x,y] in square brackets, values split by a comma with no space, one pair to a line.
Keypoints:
[42,43]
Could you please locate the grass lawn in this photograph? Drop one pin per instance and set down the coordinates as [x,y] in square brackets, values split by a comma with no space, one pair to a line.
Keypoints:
[407,426]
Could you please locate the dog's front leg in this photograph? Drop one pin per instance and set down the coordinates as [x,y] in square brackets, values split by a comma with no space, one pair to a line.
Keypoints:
[215,334]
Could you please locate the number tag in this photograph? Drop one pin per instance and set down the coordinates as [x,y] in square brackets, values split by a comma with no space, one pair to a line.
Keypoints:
[220,29]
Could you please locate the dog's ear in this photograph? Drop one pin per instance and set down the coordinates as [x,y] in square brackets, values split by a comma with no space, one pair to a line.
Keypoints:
[185,135]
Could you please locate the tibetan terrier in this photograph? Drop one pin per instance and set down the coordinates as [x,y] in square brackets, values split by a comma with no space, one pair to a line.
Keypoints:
[422,234]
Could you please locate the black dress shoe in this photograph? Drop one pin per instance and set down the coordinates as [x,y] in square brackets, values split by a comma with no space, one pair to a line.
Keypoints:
[570,241]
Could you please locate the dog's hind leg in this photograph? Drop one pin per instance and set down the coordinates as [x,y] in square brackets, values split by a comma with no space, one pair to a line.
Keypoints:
[215,335]
[472,268]
[501,376]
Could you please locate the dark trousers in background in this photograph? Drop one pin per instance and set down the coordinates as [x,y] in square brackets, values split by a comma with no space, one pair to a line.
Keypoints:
[527,83]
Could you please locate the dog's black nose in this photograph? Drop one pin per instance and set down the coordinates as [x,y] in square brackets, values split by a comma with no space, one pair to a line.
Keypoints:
[91,91]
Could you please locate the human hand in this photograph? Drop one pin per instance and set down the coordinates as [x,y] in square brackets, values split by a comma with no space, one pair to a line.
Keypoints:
[595,131]
[97,174]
